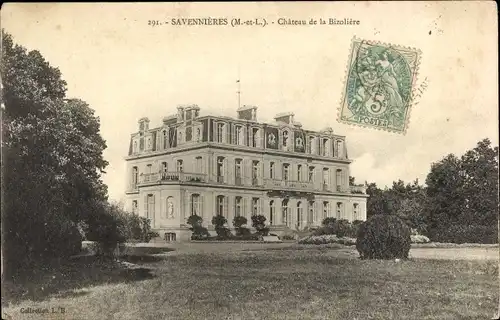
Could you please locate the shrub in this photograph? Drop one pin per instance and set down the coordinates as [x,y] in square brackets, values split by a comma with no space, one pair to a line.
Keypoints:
[223,233]
[106,226]
[287,237]
[219,221]
[243,231]
[238,222]
[383,236]
[330,221]
[341,228]
[199,233]
[468,234]
[325,230]
[259,223]
[194,221]
[327,239]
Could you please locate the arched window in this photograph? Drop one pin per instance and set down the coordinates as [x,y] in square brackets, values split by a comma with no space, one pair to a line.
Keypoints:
[237,205]
[312,213]
[355,211]
[326,209]
[271,212]
[339,210]
[220,169]
[284,211]
[195,204]
[255,206]
[299,172]
[220,205]
[299,214]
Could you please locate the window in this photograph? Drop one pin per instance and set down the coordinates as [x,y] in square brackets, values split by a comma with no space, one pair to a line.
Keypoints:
[149,169]
[355,207]
[169,237]
[339,178]
[198,134]
[338,148]
[165,139]
[326,178]
[255,206]
[285,139]
[271,212]
[189,133]
[310,146]
[326,209]
[324,151]
[255,172]
[271,170]
[299,214]
[220,205]
[135,175]
[134,149]
[141,144]
[237,205]
[220,132]
[286,168]
[220,169]
[195,204]
[339,210]
[134,206]
[180,166]
[255,137]
[312,212]
[284,211]
[179,136]
[299,172]
[198,164]
[150,206]
[239,135]
[311,174]
[164,167]
[238,172]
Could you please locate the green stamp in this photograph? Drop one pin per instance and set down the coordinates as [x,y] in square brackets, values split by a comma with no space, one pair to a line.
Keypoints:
[379,85]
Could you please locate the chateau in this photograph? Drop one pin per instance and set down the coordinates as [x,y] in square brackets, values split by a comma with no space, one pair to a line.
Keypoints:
[209,165]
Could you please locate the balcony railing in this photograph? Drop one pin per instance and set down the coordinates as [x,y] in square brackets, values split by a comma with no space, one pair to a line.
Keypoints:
[288,184]
[361,189]
[172,177]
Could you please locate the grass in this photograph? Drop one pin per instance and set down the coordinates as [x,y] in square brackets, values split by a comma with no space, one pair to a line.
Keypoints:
[283,284]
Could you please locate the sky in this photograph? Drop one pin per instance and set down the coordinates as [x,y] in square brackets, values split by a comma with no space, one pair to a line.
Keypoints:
[126,69]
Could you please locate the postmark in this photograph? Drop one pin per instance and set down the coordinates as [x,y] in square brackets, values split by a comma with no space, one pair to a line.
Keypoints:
[379,84]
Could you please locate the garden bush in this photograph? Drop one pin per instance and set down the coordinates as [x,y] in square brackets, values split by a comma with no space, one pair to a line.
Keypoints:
[383,236]
[199,233]
[342,228]
[327,239]
[259,223]
[219,222]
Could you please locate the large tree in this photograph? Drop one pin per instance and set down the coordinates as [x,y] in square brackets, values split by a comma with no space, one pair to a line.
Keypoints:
[52,161]
[463,191]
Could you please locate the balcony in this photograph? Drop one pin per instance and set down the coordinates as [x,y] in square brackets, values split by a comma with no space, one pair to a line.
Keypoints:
[358,189]
[149,178]
[288,184]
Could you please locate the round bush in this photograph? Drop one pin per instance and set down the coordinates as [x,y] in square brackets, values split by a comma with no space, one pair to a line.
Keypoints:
[383,236]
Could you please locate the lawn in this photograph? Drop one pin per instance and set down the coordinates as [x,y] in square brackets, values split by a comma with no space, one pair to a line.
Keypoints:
[279,284]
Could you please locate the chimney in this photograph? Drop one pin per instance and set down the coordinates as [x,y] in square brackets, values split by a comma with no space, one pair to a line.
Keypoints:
[247,113]
[286,117]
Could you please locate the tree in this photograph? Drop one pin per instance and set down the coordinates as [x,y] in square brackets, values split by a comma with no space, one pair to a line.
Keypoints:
[480,184]
[463,191]
[52,155]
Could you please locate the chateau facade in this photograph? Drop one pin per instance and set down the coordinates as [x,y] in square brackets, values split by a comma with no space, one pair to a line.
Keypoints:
[208,165]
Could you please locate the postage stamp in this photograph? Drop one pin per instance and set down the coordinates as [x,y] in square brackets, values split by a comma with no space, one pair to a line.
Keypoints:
[379,85]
